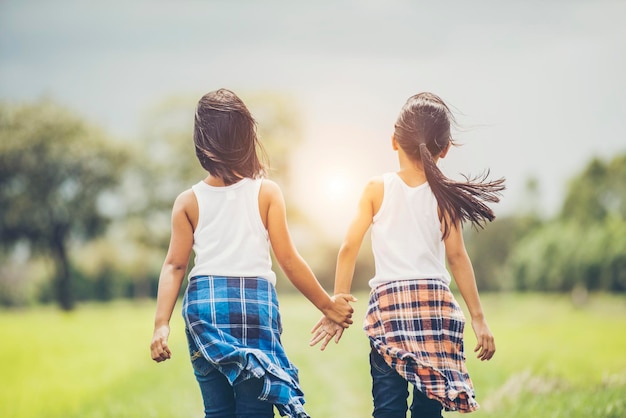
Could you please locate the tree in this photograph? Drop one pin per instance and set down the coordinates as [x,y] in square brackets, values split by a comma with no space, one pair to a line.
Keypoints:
[565,255]
[585,246]
[55,171]
[598,192]
[490,248]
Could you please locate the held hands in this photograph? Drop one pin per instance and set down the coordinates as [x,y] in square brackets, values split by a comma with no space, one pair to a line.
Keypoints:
[485,343]
[331,325]
[324,331]
[340,311]
[159,349]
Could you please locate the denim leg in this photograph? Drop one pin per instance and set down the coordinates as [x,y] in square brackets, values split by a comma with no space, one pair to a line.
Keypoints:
[217,393]
[220,399]
[247,403]
[424,407]
[389,389]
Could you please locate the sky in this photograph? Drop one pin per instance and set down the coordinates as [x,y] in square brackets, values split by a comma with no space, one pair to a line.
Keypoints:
[538,87]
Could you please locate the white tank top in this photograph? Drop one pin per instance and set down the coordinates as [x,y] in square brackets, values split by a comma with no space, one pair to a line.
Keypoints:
[230,238]
[406,234]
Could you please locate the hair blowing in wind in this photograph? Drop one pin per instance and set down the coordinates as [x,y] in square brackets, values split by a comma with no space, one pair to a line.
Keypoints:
[225,138]
[423,132]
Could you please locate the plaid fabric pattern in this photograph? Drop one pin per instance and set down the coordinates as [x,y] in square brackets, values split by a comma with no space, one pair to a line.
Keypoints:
[417,326]
[236,324]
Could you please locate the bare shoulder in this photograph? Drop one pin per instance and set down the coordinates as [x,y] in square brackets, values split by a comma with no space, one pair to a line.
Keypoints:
[270,190]
[186,199]
[269,186]
[270,198]
[186,203]
[372,196]
[374,188]
[375,183]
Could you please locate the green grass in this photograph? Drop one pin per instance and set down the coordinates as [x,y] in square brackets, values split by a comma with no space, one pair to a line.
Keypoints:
[553,360]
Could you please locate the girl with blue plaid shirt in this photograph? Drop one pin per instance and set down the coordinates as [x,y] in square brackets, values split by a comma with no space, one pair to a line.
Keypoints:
[230,220]
[414,324]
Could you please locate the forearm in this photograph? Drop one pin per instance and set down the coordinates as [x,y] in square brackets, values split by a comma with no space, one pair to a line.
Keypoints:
[346,261]
[170,282]
[301,276]
[463,273]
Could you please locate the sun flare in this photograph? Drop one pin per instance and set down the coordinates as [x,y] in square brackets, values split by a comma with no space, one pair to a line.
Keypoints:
[336,186]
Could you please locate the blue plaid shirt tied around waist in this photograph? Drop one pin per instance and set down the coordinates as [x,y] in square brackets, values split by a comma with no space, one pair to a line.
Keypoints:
[236,325]
[417,327]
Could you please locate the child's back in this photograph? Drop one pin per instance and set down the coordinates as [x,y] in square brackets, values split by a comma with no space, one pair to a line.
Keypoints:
[414,324]
[230,238]
[406,234]
[230,220]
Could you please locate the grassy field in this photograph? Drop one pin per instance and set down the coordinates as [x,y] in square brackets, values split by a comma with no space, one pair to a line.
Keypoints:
[553,360]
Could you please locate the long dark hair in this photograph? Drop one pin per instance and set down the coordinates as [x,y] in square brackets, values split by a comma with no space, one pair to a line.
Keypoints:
[225,138]
[423,132]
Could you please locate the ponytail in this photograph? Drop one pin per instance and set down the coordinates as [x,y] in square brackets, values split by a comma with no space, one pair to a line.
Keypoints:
[460,201]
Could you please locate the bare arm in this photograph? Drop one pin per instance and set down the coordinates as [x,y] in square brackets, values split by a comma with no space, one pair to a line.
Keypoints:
[173,272]
[463,272]
[273,213]
[369,204]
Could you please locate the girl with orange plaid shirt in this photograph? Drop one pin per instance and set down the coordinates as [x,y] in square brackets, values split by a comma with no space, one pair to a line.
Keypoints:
[414,324]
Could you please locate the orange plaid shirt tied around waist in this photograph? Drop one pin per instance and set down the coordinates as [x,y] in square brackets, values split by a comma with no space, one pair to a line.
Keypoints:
[417,327]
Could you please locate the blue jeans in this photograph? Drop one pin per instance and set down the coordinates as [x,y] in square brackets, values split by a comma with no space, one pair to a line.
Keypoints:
[390,393]
[221,400]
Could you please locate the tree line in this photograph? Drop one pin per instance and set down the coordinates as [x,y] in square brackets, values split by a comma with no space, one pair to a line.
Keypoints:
[84,216]
[583,247]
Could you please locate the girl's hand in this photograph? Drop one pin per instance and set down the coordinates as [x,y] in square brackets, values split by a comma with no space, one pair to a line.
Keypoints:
[340,310]
[485,343]
[159,349]
[324,331]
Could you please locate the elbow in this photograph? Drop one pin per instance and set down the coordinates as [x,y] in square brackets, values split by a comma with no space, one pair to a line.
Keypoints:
[176,264]
[457,257]
[289,263]
[452,259]
[176,269]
